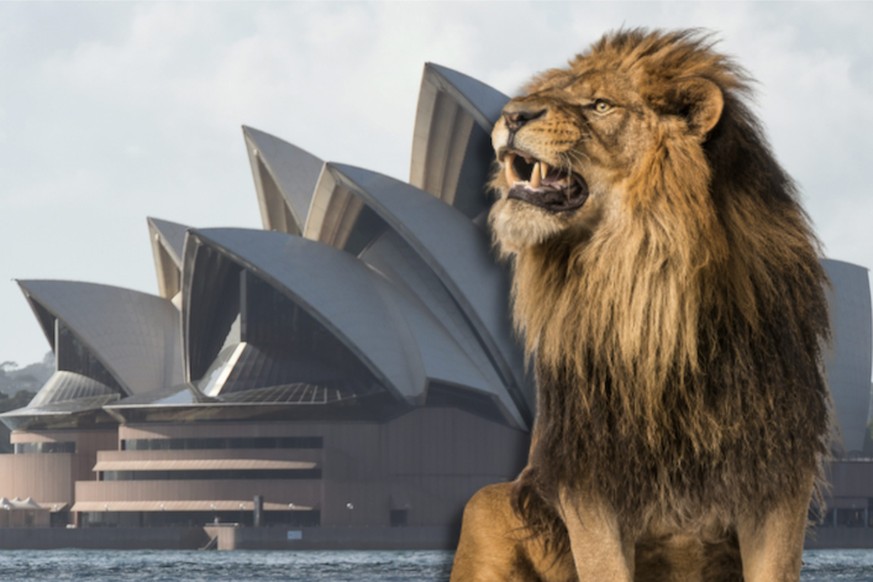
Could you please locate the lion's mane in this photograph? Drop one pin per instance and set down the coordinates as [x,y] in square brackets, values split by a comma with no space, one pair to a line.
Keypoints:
[677,346]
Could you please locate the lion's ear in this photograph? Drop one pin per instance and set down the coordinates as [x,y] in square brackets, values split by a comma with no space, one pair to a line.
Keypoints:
[700,101]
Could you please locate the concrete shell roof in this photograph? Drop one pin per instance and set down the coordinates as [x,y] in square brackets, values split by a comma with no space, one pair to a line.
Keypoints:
[848,360]
[168,240]
[171,235]
[134,335]
[389,330]
[455,249]
[66,386]
[482,101]
[285,177]
[451,147]
[399,263]
[334,288]
[64,393]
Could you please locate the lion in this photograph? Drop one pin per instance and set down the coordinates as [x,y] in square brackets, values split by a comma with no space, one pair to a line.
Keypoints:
[667,286]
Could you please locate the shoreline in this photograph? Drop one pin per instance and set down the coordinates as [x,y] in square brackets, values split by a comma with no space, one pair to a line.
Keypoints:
[230,536]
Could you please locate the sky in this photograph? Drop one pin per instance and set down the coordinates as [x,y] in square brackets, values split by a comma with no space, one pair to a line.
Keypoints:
[113,112]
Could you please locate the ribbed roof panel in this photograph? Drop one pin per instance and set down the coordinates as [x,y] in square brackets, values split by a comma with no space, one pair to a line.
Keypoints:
[459,254]
[451,147]
[167,239]
[848,360]
[285,177]
[338,291]
[171,235]
[135,336]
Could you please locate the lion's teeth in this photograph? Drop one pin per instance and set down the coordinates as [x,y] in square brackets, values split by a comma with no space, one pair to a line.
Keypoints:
[544,170]
[535,176]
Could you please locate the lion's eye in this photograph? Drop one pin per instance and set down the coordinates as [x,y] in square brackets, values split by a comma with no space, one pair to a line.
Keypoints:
[601,105]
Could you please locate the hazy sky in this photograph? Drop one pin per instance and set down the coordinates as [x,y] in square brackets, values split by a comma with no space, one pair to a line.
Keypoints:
[113,112]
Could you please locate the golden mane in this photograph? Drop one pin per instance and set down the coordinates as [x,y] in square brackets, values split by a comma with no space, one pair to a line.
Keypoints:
[676,331]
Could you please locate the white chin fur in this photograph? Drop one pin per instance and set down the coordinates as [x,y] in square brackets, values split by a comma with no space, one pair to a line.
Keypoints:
[518,225]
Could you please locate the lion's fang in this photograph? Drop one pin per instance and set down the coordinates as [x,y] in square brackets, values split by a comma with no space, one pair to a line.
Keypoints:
[544,170]
[536,175]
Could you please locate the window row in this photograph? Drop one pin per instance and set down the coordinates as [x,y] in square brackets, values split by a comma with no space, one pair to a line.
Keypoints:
[48,447]
[208,475]
[307,442]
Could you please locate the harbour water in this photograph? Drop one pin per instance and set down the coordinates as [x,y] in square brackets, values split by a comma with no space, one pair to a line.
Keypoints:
[347,566]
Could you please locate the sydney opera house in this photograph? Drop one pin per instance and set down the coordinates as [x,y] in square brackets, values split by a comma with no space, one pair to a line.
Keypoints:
[348,371]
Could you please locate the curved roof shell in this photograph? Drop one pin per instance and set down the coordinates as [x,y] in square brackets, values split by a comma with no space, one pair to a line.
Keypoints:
[354,311]
[399,263]
[167,239]
[387,329]
[134,336]
[67,387]
[285,177]
[366,204]
[67,399]
[451,146]
[848,361]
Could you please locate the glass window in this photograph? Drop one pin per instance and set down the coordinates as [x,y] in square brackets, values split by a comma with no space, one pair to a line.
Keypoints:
[296,442]
[46,447]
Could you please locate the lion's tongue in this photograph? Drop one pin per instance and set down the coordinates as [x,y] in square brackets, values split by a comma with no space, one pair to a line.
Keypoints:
[547,197]
[569,197]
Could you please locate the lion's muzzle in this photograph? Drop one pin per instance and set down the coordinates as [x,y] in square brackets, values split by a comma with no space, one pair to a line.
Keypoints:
[535,182]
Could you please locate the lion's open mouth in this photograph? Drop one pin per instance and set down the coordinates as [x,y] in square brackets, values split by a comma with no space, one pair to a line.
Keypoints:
[535,182]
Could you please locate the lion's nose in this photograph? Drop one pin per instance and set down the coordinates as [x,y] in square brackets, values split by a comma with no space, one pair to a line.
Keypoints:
[515,118]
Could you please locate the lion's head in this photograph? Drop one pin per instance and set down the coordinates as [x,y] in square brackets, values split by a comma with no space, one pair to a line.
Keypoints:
[619,130]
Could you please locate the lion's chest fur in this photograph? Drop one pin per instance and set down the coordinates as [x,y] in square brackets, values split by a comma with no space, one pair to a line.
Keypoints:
[685,440]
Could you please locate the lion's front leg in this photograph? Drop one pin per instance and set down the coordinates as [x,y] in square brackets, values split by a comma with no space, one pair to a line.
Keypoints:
[496,546]
[771,546]
[600,551]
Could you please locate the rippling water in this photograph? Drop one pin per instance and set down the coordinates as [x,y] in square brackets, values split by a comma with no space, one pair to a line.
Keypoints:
[192,566]
[158,566]
[834,565]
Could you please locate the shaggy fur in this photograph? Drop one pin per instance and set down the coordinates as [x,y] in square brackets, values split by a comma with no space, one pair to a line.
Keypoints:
[675,321]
